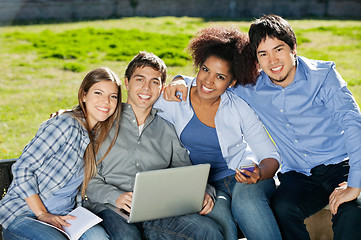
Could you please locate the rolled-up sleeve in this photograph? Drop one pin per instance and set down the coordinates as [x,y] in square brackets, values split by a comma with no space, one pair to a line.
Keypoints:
[340,101]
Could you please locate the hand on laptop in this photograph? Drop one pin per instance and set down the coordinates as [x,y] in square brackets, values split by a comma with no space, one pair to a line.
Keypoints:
[208,204]
[124,201]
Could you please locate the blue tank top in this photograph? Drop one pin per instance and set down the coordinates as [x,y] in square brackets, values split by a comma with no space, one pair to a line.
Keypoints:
[203,145]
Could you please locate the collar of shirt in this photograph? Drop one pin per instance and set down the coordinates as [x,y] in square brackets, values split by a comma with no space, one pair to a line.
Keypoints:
[129,114]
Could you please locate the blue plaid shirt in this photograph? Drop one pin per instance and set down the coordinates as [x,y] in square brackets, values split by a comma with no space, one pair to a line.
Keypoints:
[46,165]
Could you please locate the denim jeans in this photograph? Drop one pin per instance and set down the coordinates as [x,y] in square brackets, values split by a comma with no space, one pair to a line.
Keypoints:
[23,227]
[249,204]
[191,226]
[222,214]
[300,196]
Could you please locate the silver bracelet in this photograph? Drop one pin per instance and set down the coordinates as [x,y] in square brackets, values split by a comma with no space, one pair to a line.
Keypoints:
[41,214]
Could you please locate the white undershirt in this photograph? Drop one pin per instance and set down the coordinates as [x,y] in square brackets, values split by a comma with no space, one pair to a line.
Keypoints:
[140,128]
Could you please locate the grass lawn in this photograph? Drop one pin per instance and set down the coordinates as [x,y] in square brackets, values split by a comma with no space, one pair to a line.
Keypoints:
[43,65]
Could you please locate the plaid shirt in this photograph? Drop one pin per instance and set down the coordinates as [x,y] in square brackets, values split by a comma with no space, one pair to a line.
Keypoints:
[46,165]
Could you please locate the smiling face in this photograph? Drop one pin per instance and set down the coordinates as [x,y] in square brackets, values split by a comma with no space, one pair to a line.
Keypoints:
[277,60]
[100,102]
[213,78]
[144,88]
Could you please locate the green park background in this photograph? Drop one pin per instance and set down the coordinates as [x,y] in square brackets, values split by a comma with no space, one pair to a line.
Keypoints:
[42,65]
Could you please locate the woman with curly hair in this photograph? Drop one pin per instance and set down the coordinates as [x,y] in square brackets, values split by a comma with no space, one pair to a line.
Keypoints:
[219,128]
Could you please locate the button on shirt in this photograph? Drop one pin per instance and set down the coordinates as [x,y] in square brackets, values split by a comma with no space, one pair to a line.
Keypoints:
[314,120]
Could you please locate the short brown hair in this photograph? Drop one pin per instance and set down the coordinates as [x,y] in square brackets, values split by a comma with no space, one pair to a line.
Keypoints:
[146,59]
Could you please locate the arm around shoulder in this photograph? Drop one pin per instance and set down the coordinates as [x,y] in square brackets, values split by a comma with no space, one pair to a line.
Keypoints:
[177,89]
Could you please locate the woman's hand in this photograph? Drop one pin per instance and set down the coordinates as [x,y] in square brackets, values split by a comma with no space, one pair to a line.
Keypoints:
[56,220]
[254,176]
[36,205]
[208,204]
[266,169]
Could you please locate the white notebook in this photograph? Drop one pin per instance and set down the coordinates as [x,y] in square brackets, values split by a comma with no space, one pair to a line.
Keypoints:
[84,220]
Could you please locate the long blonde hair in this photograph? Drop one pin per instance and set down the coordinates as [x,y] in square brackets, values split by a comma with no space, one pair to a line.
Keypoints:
[100,131]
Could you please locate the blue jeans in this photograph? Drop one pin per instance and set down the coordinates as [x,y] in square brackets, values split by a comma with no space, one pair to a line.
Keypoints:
[300,196]
[191,226]
[249,204]
[222,214]
[23,227]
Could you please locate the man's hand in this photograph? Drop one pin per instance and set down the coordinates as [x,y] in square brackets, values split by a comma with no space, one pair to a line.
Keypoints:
[124,201]
[177,85]
[208,204]
[56,220]
[254,176]
[342,194]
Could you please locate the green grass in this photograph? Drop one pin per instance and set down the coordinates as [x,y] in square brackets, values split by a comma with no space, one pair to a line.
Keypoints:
[43,65]
[94,45]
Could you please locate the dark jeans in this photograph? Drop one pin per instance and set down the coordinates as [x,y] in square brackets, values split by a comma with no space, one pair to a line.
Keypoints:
[186,227]
[300,196]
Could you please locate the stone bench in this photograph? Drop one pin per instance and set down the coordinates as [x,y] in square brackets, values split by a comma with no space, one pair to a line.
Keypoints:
[318,225]
[5,179]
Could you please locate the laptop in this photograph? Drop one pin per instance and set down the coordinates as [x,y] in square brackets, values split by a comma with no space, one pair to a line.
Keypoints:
[167,193]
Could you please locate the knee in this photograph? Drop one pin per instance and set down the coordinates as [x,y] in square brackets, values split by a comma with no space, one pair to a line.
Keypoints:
[116,227]
[282,206]
[97,232]
[346,223]
[209,229]
[193,226]
[262,191]
[348,213]
[221,211]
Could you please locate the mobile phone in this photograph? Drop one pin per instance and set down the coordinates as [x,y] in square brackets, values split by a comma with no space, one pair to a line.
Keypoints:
[248,168]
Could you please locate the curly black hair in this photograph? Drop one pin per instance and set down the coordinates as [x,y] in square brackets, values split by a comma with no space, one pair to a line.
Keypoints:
[229,44]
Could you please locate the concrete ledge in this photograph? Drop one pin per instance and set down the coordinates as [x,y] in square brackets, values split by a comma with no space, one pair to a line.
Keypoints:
[319,225]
